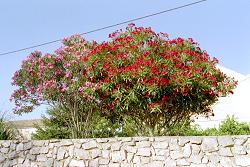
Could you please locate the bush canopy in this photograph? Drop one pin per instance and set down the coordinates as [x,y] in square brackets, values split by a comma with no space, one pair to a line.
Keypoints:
[138,74]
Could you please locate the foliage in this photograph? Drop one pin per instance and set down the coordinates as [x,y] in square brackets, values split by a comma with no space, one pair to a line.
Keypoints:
[57,80]
[53,127]
[156,81]
[137,76]
[230,126]
[7,131]
[233,127]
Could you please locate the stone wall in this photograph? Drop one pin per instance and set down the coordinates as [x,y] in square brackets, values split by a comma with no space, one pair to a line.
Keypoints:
[137,151]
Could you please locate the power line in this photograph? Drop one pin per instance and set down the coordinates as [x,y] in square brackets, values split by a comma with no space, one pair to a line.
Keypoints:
[106,27]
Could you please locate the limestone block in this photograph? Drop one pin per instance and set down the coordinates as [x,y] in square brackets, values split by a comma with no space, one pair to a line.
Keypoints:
[116,146]
[239,149]
[19,147]
[136,160]
[197,165]
[174,147]
[81,154]
[102,140]
[158,158]
[114,139]
[26,163]
[162,138]
[31,157]
[214,159]
[105,154]
[242,160]
[130,149]
[36,164]
[6,164]
[38,143]
[204,159]
[61,153]
[6,143]
[195,140]
[71,151]
[225,141]
[82,141]
[126,139]
[90,145]
[130,143]
[141,144]
[176,155]
[13,162]
[187,150]
[54,141]
[146,152]
[157,164]
[118,156]
[226,152]
[94,163]
[162,152]
[145,160]
[12,155]
[50,154]
[76,163]
[226,161]
[114,165]
[173,144]
[41,158]
[44,150]
[130,157]
[140,138]
[106,146]
[196,159]
[2,158]
[66,142]
[20,160]
[196,149]
[66,162]
[124,164]
[240,141]
[209,144]
[95,153]
[183,140]
[49,162]
[78,145]
[103,161]
[170,162]
[182,162]
[54,152]
[4,150]
[160,145]
[13,146]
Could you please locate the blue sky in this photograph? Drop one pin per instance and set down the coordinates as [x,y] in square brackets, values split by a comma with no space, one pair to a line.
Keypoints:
[221,27]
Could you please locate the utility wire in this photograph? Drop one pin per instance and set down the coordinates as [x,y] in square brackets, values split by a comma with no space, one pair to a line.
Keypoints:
[103,28]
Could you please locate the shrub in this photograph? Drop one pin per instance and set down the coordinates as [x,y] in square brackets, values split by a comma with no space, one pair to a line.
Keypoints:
[7,130]
[231,126]
[156,81]
[53,127]
[139,76]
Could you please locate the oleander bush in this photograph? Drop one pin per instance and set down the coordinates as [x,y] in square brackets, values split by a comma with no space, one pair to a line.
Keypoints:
[137,76]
